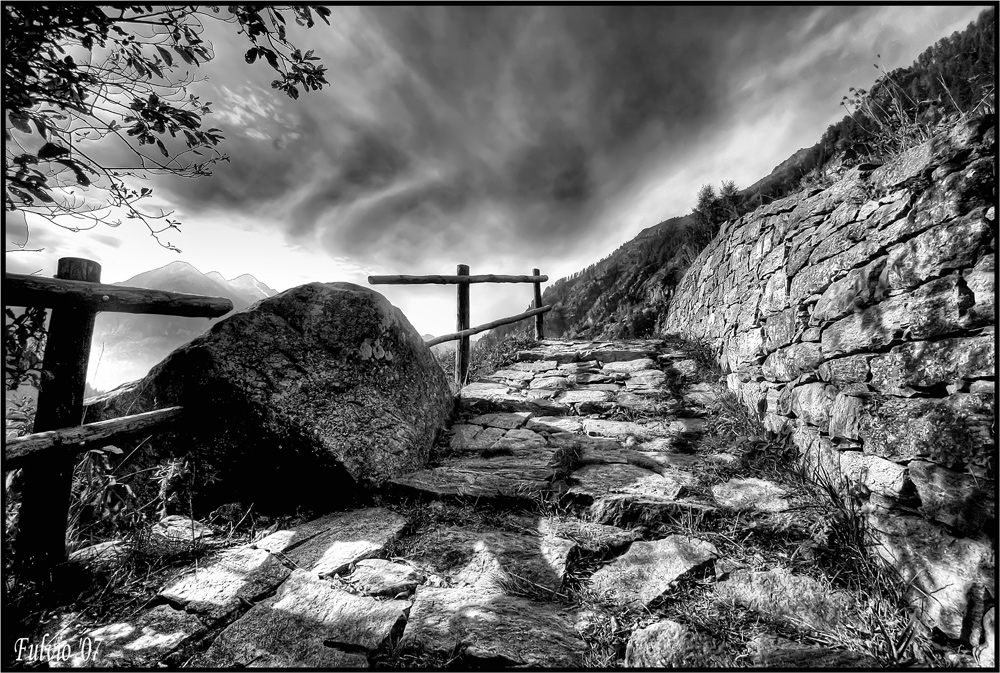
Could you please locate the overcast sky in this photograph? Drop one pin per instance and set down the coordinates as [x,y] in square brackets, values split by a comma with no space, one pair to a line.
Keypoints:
[503,138]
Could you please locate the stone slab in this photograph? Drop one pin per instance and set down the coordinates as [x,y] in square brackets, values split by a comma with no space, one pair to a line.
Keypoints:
[649,569]
[751,493]
[492,629]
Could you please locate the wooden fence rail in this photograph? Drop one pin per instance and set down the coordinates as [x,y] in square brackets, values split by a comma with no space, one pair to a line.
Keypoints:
[463,331]
[75,296]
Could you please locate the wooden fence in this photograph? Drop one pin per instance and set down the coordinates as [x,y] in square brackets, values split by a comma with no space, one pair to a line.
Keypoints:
[463,280]
[48,456]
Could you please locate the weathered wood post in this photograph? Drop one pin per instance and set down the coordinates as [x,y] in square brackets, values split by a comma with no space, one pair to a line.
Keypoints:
[462,351]
[45,493]
[539,325]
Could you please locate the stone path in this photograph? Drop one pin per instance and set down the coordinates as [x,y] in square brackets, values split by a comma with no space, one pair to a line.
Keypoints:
[547,508]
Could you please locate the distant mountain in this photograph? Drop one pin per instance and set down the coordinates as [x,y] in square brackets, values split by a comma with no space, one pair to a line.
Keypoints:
[126,345]
[443,348]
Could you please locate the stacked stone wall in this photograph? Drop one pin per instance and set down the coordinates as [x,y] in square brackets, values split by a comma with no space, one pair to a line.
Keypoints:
[860,320]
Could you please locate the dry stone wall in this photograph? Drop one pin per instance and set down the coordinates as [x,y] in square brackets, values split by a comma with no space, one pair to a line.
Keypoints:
[860,319]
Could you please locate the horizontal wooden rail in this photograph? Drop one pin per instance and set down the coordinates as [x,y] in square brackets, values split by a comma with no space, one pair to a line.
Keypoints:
[72,441]
[486,326]
[453,280]
[21,290]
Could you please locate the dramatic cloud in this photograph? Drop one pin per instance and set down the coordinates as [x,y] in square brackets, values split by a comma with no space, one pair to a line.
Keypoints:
[513,137]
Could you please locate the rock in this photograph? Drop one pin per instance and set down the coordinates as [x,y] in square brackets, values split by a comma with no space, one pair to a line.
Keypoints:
[981,280]
[648,380]
[962,501]
[378,577]
[618,355]
[587,377]
[926,363]
[308,622]
[873,328]
[181,528]
[845,417]
[818,277]
[949,431]
[702,394]
[628,366]
[667,644]
[346,539]
[986,651]
[776,652]
[649,569]
[559,423]
[233,578]
[797,600]
[141,642]
[780,329]
[494,561]
[491,629]
[687,368]
[788,363]
[857,290]
[952,576]
[946,247]
[851,369]
[507,421]
[586,400]
[938,307]
[303,395]
[596,481]
[101,555]
[877,474]
[813,403]
[591,537]
[536,366]
[775,297]
[646,431]
[511,375]
[550,383]
[503,477]
[752,493]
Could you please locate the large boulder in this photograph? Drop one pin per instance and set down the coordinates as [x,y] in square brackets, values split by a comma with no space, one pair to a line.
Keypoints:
[302,400]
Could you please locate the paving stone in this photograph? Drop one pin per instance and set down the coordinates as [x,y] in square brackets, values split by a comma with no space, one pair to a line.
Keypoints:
[561,423]
[581,396]
[181,528]
[585,366]
[351,536]
[588,377]
[621,509]
[777,652]
[537,366]
[502,476]
[141,642]
[701,393]
[628,366]
[649,569]
[616,355]
[463,434]
[507,421]
[494,629]
[686,367]
[308,623]
[550,382]
[668,644]
[651,380]
[751,493]
[592,537]
[237,575]
[484,439]
[493,560]
[796,599]
[379,577]
[520,441]
[596,481]
[511,375]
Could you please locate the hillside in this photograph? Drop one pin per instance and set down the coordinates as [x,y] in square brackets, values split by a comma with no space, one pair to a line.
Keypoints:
[126,346]
[622,295]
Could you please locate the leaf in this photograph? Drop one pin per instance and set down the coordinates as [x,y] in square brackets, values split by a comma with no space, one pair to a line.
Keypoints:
[19,120]
[81,177]
[251,55]
[185,54]
[51,151]
[163,150]
[272,60]
[165,55]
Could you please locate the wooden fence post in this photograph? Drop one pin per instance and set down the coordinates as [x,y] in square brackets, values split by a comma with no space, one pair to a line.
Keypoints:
[45,491]
[539,325]
[463,347]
